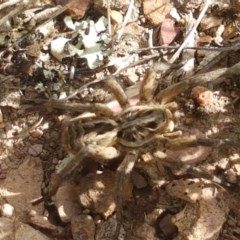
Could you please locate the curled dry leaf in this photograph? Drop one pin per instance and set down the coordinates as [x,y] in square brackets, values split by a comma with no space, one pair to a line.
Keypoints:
[205,212]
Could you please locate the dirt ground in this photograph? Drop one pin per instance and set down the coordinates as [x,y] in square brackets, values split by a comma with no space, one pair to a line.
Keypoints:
[68,137]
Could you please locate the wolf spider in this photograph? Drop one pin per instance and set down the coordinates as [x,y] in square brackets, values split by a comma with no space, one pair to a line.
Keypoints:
[105,136]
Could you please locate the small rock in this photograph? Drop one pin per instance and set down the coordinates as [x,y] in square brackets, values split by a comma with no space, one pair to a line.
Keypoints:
[237,168]
[116,17]
[223,163]
[234,157]
[35,149]
[36,133]
[231,176]
[7,210]
[202,95]
[83,227]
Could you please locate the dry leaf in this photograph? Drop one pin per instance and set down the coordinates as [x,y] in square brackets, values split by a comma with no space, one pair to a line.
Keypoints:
[168,31]
[156,12]
[77,8]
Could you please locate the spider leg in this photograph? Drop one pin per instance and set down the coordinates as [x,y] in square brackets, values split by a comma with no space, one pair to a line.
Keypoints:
[148,86]
[65,169]
[193,141]
[117,91]
[123,171]
[169,93]
[97,108]
[149,83]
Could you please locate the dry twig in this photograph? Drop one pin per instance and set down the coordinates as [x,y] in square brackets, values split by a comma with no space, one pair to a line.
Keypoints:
[126,19]
[193,30]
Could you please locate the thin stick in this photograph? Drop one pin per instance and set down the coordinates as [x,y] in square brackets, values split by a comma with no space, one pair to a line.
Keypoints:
[8,4]
[109,18]
[11,14]
[189,36]
[128,14]
[211,49]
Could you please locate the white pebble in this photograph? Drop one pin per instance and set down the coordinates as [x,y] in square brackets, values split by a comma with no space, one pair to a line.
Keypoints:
[7,210]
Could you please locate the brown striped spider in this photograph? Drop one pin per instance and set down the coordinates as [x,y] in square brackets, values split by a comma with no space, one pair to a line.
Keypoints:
[106,135]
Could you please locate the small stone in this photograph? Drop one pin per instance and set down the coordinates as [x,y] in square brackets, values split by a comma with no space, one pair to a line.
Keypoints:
[202,95]
[36,133]
[234,157]
[231,176]
[237,168]
[55,161]
[223,163]
[35,149]
[7,210]
[83,227]
[116,17]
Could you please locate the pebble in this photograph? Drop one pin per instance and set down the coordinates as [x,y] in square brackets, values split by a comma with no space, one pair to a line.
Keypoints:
[7,210]
[83,227]
[36,133]
[202,95]
[223,163]
[35,149]
[231,176]
[116,17]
